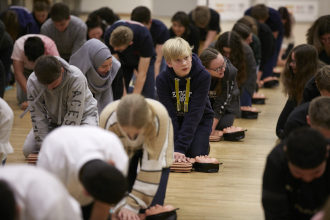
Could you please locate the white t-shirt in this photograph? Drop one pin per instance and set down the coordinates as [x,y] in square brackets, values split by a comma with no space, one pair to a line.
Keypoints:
[39,195]
[66,149]
[6,123]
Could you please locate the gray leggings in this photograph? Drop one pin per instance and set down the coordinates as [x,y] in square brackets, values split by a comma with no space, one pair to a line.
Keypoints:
[226,120]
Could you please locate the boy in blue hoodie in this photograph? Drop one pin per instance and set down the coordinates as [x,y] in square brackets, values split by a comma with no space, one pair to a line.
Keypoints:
[192,115]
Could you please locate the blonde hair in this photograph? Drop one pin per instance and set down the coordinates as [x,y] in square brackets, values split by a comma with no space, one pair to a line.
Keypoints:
[201,15]
[319,112]
[121,36]
[176,48]
[134,111]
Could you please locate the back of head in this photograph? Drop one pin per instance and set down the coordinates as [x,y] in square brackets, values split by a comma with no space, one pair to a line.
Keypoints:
[318,112]
[103,181]
[285,15]
[243,30]
[201,15]
[320,27]
[121,36]
[176,48]
[7,202]
[59,12]
[250,22]
[260,12]
[41,5]
[47,69]
[306,148]
[141,14]
[10,20]
[34,48]
[107,14]
[182,18]
[322,78]
[208,55]
[94,21]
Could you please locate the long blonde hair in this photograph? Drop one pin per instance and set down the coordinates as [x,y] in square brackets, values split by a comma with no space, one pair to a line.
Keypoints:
[134,111]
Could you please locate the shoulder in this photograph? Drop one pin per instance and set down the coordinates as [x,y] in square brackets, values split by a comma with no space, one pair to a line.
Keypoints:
[77,22]
[214,14]
[158,24]
[277,155]
[48,23]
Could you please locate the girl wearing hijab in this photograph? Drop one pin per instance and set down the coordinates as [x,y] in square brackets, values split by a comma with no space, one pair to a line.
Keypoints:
[94,59]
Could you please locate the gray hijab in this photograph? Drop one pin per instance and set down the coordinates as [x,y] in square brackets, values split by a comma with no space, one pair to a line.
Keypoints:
[88,59]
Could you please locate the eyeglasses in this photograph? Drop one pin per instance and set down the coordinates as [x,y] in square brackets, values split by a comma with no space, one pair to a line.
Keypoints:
[293,62]
[220,68]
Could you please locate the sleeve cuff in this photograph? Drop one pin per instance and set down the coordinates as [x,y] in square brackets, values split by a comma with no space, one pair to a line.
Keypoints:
[217,115]
[179,150]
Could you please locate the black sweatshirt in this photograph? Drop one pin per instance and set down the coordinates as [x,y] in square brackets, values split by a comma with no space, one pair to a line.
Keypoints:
[310,91]
[296,119]
[284,197]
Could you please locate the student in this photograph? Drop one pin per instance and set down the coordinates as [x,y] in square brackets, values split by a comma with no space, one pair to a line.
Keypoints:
[58,95]
[297,118]
[183,89]
[158,31]
[95,28]
[301,65]
[6,49]
[296,176]
[106,14]
[40,11]
[6,123]
[68,32]
[267,42]
[250,39]
[318,35]
[146,131]
[100,68]
[224,93]
[182,27]
[131,43]
[230,45]
[27,50]
[27,192]
[19,21]
[207,21]
[91,163]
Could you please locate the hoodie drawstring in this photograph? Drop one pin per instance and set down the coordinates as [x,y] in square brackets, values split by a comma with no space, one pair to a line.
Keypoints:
[178,104]
[60,110]
[186,100]
[32,104]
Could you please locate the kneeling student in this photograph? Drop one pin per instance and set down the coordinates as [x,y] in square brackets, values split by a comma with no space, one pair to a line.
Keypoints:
[183,89]
[90,162]
[297,176]
[29,193]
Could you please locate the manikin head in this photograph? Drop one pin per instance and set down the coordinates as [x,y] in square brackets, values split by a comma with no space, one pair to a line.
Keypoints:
[307,152]
[142,14]
[158,212]
[60,15]
[121,38]
[214,62]
[178,55]
[318,115]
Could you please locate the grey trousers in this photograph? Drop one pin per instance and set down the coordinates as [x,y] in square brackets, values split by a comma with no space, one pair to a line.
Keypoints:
[21,95]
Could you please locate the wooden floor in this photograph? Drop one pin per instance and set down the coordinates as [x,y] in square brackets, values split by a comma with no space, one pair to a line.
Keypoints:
[232,193]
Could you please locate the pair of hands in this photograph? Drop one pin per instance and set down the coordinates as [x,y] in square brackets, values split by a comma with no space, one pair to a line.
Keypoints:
[126,214]
[179,157]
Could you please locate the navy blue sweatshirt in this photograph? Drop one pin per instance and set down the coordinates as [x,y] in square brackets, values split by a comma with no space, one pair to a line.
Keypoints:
[199,107]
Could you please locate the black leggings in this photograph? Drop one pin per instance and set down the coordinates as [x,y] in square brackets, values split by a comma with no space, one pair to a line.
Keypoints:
[226,120]
[288,108]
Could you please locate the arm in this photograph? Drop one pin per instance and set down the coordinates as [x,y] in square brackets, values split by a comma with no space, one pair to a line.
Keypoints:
[209,38]
[142,74]
[158,59]
[275,33]
[100,211]
[18,73]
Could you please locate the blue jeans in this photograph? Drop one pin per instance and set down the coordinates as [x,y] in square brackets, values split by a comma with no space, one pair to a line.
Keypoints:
[246,99]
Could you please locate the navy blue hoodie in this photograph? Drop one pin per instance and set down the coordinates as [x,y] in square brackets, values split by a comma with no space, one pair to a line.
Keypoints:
[199,113]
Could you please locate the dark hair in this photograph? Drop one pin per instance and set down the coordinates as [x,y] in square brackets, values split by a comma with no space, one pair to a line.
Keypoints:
[141,14]
[103,181]
[34,48]
[182,18]
[59,12]
[306,66]
[320,27]
[206,57]
[243,30]
[94,21]
[322,78]
[47,69]
[7,202]
[306,148]
[41,5]
[260,12]
[251,23]
[285,15]
[10,20]
[233,41]
[107,14]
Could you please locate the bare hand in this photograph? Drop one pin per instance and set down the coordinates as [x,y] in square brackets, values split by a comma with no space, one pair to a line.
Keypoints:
[179,157]
[217,133]
[24,105]
[126,214]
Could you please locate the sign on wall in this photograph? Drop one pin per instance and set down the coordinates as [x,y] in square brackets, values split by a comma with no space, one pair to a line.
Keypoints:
[229,10]
[303,11]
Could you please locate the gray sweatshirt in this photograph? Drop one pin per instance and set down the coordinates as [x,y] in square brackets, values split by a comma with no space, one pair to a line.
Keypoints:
[71,103]
[68,41]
